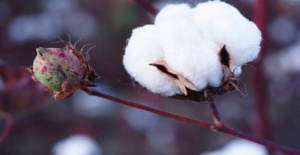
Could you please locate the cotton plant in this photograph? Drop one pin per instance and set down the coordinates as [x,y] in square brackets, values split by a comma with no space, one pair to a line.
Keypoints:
[192,49]
[238,147]
[63,70]
[77,144]
[187,51]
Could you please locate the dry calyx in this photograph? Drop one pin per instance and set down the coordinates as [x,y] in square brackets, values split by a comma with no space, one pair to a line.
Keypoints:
[63,70]
[190,91]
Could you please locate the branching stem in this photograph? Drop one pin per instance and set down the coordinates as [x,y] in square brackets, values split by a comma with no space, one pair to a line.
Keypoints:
[214,110]
[147,6]
[218,125]
[9,122]
[220,128]
[149,109]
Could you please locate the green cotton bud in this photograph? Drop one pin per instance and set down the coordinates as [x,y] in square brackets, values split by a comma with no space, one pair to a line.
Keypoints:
[62,70]
[54,65]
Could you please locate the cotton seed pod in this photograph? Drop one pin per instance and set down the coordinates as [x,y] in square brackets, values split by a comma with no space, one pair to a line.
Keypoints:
[53,65]
[62,70]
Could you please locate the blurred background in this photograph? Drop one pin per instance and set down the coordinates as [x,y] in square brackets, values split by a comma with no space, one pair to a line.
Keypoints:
[86,125]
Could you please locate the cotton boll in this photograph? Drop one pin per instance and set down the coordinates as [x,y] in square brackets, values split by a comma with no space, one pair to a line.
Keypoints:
[186,50]
[226,25]
[173,12]
[143,48]
[77,145]
[238,147]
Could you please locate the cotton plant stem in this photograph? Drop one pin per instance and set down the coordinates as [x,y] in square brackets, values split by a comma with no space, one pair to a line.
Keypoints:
[261,122]
[146,108]
[269,144]
[8,124]
[223,128]
[147,6]
[258,80]
[216,116]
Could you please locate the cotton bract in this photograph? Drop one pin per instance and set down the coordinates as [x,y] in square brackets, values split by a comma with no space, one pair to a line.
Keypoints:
[188,41]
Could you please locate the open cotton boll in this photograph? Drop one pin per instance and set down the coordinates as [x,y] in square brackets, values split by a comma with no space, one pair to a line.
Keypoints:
[186,50]
[227,26]
[239,147]
[143,49]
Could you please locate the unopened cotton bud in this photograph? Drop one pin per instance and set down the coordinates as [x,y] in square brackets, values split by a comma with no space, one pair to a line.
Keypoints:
[54,65]
[62,70]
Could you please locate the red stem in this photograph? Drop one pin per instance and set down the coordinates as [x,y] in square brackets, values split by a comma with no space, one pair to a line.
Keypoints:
[261,103]
[9,122]
[215,112]
[147,6]
[223,128]
[269,144]
[142,107]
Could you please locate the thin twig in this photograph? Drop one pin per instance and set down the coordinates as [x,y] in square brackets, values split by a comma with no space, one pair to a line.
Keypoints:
[220,126]
[149,109]
[261,101]
[223,128]
[269,144]
[262,127]
[9,122]
[148,7]
[214,110]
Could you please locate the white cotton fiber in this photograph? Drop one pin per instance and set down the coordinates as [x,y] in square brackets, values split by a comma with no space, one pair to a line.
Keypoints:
[239,147]
[189,40]
[186,50]
[227,26]
[143,48]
